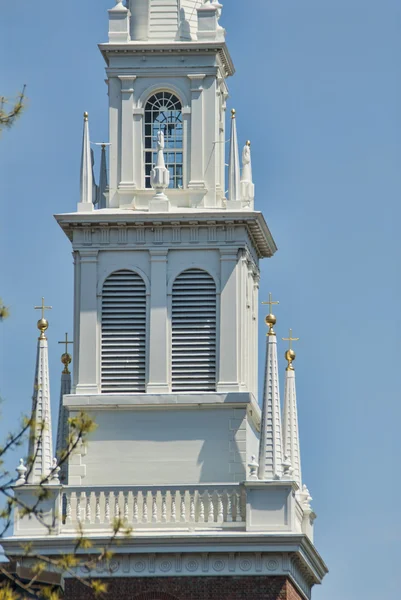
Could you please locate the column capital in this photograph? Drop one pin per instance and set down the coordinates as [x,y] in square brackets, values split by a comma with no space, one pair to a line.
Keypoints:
[158,255]
[88,256]
[196,81]
[228,254]
[127,82]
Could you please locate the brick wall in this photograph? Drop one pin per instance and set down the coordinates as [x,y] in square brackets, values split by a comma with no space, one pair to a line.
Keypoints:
[190,588]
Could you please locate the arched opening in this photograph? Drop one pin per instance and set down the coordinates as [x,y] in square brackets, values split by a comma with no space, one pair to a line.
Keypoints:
[163,112]
[193,322]
[123,333]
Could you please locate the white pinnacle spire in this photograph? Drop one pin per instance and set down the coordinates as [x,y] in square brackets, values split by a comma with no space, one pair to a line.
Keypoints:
[62,429]
[290,422]
[234,181]
[86,198]
[270,451]
[102,179]
[40,439]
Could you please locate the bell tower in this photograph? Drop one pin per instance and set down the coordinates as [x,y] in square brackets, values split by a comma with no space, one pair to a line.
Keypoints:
[166,278]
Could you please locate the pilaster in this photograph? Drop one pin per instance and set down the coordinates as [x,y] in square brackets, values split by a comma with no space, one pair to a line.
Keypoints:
[88,356]
[197,176]
[228,380]
[114,138]
[158,342]
[127,184]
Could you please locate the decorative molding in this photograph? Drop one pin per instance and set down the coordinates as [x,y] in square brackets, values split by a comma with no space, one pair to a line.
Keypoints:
[212,232]
[122,234]
[87,229]
[208,564]
[140,233]
[176,232]
[104,234]
[230,231]
[158,233]
[194,232]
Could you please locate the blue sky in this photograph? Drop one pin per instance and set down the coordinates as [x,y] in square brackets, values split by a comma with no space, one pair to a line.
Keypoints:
[318,92]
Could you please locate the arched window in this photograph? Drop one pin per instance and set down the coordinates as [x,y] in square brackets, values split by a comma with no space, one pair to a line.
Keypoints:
[194,332]
[123,344]
[163,111]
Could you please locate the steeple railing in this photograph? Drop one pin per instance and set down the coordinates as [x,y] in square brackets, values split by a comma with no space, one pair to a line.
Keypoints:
[201,506]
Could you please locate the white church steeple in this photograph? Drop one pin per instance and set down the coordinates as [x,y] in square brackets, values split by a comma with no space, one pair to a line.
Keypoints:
[40,438]
[166,294]
[290,417]
[271,446]
[62,428]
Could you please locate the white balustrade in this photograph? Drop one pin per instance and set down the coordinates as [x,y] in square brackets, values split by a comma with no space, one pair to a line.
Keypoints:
[153,506]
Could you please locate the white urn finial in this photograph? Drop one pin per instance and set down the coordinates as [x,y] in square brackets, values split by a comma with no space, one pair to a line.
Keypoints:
[159,176]
[287,468]
[253,468]
[55,480]
[21,470]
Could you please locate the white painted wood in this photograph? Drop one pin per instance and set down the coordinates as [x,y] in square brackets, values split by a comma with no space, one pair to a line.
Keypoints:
[193,343]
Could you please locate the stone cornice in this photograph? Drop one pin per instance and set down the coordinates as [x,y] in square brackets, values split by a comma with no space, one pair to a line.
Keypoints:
[173,47]
[254,222]
[222,553]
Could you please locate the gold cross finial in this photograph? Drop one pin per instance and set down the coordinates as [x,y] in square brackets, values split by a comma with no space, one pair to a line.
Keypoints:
[290,354]
[66,358]
[290,339]
[270,320]
[270,302]
[42,323]
[42,307]
[66,342]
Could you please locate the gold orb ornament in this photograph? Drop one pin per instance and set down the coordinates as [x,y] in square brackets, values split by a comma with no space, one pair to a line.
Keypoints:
[66,360]
[270,320]
[290,355]
[42,324]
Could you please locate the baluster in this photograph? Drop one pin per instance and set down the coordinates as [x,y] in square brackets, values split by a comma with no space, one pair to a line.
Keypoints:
[164,508]
[201,508]
[116,505]
[173,509]
[79,507]
[220,512]
[192,507]
[97,507]
[107,507]
[229,506]
[88,511]
[126,514]
[210,515]
[135,512]
[145,507]
[238,507]
[154,507]
[182,507]
[68,511]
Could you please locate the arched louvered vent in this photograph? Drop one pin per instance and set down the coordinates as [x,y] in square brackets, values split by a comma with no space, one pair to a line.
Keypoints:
[194,332]
[123,359]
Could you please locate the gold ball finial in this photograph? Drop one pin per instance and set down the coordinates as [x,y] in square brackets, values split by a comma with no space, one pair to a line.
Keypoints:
[42,325]
[233,113]
[290,357]
[86,116]
[66,360]
[248,143]
[270,321]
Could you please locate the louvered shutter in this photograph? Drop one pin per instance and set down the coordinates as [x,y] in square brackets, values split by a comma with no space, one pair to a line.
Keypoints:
[194,332]
[123,357]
